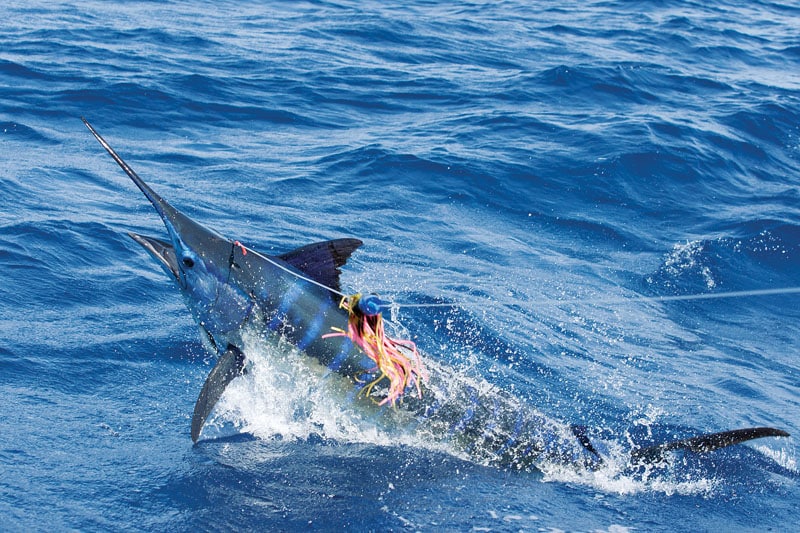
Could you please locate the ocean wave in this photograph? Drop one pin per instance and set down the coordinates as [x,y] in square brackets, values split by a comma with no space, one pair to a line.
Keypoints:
[548,171]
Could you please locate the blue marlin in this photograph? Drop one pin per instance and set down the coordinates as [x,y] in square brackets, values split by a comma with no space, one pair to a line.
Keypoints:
[231,290]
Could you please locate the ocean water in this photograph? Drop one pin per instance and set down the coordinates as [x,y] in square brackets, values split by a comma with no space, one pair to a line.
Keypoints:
[547,168]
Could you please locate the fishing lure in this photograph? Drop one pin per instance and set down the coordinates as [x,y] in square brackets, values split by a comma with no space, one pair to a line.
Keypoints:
[397,360]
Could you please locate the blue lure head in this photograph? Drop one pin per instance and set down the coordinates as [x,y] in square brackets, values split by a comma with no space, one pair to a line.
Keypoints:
[371,305]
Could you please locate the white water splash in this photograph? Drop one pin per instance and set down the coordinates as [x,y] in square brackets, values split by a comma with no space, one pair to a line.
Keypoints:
[288,396]
[784,457]
[689,257]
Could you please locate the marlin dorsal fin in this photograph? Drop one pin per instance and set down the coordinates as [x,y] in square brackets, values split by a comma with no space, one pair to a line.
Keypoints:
[321,260]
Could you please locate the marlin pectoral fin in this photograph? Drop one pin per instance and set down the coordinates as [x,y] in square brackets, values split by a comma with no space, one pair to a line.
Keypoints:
[321,260]
[229,366]
[704,443]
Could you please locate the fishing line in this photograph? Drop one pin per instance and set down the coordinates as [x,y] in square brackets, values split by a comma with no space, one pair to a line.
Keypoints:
[615,300]
[288,270]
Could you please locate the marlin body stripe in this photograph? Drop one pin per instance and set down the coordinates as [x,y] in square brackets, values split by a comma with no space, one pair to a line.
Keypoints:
[231,290]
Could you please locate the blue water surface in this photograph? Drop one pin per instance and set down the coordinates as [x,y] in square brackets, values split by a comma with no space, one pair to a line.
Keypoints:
[550,166]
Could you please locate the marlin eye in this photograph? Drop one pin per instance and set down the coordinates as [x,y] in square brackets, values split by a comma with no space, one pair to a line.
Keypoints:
[188,262]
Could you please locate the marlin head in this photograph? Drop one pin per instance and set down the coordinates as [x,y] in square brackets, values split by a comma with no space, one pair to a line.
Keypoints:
[198,259]
[229,288]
